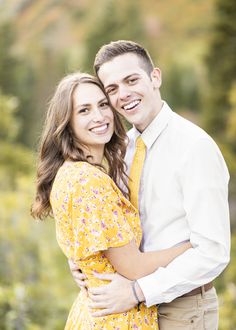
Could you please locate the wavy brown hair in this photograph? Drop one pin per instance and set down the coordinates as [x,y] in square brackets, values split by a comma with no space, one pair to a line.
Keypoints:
[58,144]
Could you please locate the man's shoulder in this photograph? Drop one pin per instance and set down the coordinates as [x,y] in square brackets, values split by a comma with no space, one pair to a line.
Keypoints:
[187,130]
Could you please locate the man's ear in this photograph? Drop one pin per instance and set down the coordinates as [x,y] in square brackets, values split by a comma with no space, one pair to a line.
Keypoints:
[156,78]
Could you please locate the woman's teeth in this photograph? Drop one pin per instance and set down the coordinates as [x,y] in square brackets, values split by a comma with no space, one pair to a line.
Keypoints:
[99,128]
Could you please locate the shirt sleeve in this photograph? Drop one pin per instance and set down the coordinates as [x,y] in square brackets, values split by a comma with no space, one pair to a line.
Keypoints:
[97,219]
[203,180]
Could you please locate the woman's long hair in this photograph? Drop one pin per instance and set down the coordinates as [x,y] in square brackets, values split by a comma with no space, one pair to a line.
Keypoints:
[58,144]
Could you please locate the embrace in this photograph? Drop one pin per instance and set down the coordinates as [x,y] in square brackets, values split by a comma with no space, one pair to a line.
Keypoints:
[142,216]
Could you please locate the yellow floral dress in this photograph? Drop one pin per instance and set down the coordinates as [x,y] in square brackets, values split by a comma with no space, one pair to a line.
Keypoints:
[91,215]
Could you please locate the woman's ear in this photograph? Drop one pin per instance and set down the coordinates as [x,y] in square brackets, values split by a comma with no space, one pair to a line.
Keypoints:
[156,78]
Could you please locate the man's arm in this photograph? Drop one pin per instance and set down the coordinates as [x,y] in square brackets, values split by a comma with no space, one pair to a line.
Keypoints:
[204,183]
[203,179]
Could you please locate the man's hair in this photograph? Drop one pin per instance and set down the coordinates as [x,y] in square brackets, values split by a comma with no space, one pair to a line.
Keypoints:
[116,48]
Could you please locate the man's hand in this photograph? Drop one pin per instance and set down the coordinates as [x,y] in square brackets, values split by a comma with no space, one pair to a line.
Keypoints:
[80,278]
[115,297]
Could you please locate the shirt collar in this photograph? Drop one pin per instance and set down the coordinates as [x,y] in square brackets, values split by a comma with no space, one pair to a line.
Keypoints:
[156,127]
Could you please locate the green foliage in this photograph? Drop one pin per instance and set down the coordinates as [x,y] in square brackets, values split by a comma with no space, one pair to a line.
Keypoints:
[8,61]
[33,272]
[231,123]
[221,66]
[36,289]
[112,21]
[181,87]
[9,126]
[15,159]
[227,292]
[16,77]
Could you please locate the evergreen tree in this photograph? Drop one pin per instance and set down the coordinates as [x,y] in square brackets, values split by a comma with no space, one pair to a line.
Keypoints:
[113,21]
[8,62]
[221,66]
[16,78]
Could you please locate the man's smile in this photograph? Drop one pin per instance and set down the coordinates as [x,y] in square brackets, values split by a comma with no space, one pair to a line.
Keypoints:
[131,105]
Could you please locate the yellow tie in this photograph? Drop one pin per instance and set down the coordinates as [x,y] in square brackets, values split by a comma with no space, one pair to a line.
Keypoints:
[136,170]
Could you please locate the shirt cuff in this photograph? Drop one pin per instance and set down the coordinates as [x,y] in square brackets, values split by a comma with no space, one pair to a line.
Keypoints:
[149,287]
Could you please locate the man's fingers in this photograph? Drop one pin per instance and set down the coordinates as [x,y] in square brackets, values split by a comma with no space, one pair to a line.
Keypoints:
[95,297]
[97,290]
[103,312]
[72,265]
[79,276]
[105,276]
[81,284]
[100,305]
[84,290]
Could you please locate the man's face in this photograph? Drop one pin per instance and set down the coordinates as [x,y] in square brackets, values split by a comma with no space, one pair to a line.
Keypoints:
[132,92]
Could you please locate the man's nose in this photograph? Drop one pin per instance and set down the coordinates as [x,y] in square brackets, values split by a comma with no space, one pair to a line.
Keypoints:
[124,92]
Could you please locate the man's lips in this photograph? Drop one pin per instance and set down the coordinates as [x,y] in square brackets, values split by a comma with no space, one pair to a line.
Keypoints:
[131,105]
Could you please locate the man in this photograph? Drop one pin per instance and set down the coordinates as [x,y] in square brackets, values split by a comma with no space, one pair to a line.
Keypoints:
[182,196]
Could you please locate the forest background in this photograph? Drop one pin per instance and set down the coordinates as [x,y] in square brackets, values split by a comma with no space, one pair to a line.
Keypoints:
[192,41]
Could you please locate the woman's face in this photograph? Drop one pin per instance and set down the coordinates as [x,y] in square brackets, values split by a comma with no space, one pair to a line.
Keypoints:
[92,118]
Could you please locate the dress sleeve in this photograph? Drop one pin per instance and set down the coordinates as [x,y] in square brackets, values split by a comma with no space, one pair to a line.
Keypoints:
[97,215]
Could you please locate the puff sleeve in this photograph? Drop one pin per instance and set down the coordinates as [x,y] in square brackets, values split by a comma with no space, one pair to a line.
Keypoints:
[96,218]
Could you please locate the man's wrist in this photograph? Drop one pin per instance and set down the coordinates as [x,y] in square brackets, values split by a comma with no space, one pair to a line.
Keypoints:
[138,292]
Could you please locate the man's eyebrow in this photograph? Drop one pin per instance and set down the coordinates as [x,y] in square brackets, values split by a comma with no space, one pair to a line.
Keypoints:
[125,78]
[110,85]
[130,75]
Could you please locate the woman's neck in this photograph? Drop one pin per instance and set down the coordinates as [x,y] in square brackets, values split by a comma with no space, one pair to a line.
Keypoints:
[95,154]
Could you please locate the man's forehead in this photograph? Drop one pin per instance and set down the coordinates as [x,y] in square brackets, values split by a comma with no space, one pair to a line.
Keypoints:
[119,68]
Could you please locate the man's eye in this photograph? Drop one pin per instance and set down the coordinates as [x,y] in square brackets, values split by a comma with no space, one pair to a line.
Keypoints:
[132,81]
[111,91]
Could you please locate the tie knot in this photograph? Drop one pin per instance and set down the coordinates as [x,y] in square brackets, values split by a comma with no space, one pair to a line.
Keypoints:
[140,144]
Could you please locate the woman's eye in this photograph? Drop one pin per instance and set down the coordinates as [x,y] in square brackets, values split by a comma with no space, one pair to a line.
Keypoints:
[104,104]
[83,110]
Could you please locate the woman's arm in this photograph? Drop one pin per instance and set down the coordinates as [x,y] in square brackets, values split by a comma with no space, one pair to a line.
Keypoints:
[130,262]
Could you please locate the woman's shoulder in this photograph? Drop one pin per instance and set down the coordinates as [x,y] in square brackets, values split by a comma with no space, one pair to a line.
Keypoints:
[82,172]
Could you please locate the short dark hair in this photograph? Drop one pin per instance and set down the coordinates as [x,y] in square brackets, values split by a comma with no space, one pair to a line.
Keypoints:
[116,48]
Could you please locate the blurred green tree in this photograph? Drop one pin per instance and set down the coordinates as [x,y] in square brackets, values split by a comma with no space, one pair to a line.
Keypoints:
[112,21]
[31,279]
[8,62]
[16,78]
[219,112]
[221,67]
[181,88]
[15,159]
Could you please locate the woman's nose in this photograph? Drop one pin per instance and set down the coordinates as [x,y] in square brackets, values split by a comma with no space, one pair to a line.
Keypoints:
[98,115]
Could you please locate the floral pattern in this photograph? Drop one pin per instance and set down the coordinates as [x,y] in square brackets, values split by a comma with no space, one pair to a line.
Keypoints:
[91,215]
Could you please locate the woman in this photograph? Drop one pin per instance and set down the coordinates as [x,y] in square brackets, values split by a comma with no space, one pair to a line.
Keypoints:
[96,225]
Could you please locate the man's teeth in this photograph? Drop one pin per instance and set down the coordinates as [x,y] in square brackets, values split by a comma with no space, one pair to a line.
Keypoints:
[131,105]
[100,128]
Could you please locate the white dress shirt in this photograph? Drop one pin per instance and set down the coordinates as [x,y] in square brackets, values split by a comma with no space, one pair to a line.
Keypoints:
[183,196]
